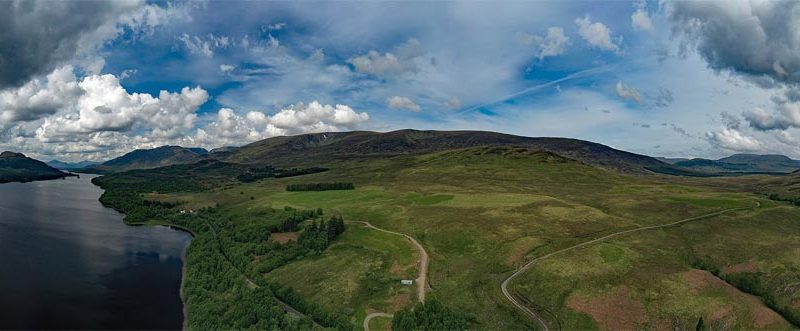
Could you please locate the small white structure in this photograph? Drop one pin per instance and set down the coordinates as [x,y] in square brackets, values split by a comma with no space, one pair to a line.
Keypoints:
[406,282]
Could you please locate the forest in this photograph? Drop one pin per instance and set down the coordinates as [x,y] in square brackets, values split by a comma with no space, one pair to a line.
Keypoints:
[432,315]
[224,285]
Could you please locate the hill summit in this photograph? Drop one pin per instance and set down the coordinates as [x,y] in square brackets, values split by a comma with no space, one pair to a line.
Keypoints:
[331,146]
[16,167]
[150,158]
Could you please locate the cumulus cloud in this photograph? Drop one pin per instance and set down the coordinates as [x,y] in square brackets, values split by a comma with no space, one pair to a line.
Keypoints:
[231,128]
[552,44]
[597,34]
[39,98]
[95,117]
[390,63]
[733,140]
[103,105]
[628,92]
[38,36]
[754,38]
[398,102]
[640,20]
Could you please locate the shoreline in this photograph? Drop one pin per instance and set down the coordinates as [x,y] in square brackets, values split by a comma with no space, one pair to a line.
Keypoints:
[185,324]
[184,261]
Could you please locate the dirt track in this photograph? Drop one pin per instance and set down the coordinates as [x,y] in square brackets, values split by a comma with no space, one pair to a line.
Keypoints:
[422,279]
[373,315]
[538,319]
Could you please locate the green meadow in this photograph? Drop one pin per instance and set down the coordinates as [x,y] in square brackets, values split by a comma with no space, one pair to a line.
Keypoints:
[481,213]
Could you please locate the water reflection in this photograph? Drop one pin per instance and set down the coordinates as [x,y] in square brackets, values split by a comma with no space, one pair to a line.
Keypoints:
[70,263]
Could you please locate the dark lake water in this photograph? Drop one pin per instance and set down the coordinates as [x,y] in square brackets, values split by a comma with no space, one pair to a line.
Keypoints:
[67,262]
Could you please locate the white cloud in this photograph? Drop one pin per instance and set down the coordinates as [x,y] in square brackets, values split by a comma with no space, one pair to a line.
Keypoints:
[205,45]
[37,98]
[66,109]
[453,103]
[628,92]
[597,34]
[226,68]
[401,61]
[231,128]
[552,44]
[732,139]
[641,21]
[398,102]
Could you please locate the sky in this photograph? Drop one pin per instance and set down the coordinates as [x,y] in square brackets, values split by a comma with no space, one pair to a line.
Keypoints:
[93,80]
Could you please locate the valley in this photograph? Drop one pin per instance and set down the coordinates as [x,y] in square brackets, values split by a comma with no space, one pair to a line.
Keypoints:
[668,249]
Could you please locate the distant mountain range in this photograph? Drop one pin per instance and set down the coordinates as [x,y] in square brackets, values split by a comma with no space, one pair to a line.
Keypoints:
[16,167]
[149,158]
[310,149]
[325,148]
[739,163]
[70,165]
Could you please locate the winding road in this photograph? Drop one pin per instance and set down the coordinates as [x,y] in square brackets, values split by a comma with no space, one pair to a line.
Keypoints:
[422,278]
[538,319]
[373,315]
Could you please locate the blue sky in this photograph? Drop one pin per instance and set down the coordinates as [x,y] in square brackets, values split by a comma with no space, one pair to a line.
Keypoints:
[658,78]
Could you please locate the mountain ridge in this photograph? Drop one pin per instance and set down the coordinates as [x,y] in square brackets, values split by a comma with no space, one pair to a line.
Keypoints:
[149,158]
[16,167]
[332,146]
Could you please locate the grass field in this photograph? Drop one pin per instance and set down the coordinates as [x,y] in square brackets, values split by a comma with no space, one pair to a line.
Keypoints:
[482,212]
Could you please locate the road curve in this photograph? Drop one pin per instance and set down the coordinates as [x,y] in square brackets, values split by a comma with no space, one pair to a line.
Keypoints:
[538,319]
[422,279]
[373,315]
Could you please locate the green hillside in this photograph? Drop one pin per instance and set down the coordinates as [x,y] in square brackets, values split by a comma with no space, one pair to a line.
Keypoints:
[16,167]
[742,163]
[483,212]
[149,158]
[334,146]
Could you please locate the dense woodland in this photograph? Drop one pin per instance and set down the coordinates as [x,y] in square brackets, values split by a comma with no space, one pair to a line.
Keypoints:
[255,174]
[320,187]
[224,286]
[432,315]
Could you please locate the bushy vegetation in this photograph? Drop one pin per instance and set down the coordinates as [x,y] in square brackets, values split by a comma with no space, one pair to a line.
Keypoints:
[777,197]
[255,174]
[432,315]
[223,285]
[320,187]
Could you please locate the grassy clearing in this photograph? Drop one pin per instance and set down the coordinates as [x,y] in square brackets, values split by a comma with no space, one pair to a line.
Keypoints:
[359,274]
[481,214]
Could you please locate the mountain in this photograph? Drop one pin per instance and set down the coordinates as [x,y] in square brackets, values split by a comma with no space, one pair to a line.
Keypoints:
[150,158]
[671,160]
[70,165]
[743,163]
[16,167]
[313,149]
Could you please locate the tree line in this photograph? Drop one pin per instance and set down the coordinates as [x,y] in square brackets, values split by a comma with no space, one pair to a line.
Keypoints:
[320,187]
[255,174]
[431,315]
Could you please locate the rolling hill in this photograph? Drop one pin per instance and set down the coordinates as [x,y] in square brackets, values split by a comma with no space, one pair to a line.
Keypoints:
[742,163]
[70,165]
[16,167]
[328,147]
[150,158]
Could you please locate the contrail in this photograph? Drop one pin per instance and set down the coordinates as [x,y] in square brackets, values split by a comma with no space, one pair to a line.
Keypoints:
[575,75]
